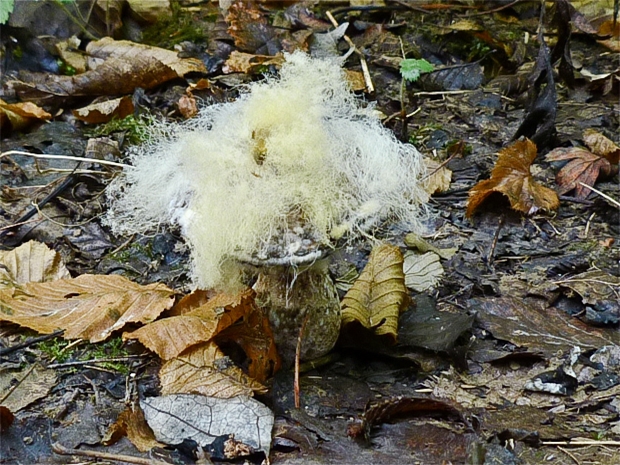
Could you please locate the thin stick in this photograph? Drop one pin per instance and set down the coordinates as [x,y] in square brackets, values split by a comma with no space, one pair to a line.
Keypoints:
[63,157]
[29,342]
[581,442]
[367,79]
[297,357]
[62,450]
[605,196]
[128,358]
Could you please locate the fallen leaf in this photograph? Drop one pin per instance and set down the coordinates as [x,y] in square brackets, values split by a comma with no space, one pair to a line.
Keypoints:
[103,112]
[511,177]
[593,286]
[255,337]
[187,106]
[250,30]
[439,177]
[18,116]
[89,307]
[583,166]
[28,386]
[379,295]
[239,62]
[601,145]
[132,424]
[546,330]
[422,272]
[116,67]
[31,262]
[204,369]
[178,417]
[169,337]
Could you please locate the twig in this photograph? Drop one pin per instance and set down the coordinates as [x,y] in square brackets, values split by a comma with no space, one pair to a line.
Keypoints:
[297,357]
[29,342]
[605,196]
[494,243]
[62,450]
[17,384]
[128,358]
[494,10]
[581,442]
[63,157]
[570,455]
[369,86]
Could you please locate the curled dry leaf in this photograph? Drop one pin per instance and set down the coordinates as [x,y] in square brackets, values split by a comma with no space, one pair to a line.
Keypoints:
[169,337]
[583,166]
[18,116]
[204,369]
[131,423]
[31,262]
[239,62]
[379,295]
[511,177]
[103,112]
[601,145]
[88,307]
[117,67]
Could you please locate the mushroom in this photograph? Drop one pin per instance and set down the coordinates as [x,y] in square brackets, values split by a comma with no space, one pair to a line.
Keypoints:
[274,179]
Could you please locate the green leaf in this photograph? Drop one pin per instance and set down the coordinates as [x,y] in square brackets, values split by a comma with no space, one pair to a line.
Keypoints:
[411,68]
[6,8]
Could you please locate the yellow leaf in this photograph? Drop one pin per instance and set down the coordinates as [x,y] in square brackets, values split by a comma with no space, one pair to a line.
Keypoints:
[379,295]
[88,307]
[205,370]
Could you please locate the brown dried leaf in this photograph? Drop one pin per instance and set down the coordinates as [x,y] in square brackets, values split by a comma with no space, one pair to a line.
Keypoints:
[254,336]
[122,66]
[250,30]
[31,262]
[379,295]
[171,336]
[601,145]
[204,369]
[103,112]
[511,177]
[131,423]
[239,62]
[18,116]
[88,307]
[583,166]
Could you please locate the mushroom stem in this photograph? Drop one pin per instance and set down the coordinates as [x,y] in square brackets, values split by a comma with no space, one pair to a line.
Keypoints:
[288,294]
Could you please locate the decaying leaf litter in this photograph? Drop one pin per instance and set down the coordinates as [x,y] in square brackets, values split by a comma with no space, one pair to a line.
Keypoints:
[507,337]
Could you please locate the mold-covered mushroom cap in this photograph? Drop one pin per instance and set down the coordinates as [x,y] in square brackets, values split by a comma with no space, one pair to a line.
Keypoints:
[275,177]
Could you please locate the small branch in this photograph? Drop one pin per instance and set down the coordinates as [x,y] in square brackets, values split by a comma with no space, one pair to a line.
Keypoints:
[605,196]
[128,358]
[29,342]
[62,450]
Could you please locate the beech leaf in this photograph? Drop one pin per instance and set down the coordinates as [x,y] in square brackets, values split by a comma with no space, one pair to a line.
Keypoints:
[422,272]
[89,307]
[379,295]
[511,177]
[31,262]
[169,337]
[177,417]
[204,369]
